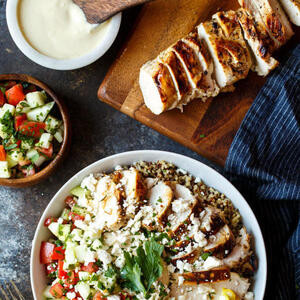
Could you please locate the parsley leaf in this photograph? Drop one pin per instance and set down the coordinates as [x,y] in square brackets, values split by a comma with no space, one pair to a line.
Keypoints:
[141,271]
[205,255]
[132,274]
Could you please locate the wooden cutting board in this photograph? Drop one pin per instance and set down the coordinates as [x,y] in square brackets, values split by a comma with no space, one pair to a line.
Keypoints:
[207,128]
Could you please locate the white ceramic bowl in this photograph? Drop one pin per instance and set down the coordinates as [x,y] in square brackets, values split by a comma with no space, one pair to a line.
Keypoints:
[59,64]
[198,169]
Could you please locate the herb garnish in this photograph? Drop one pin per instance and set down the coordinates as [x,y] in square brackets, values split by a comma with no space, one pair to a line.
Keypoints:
[141,271]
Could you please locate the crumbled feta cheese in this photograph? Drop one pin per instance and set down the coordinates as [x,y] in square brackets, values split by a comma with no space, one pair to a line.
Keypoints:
[71,295]
[113,297]
[249,296]
[105,257]
[211,262]
[60,220]
[89,182]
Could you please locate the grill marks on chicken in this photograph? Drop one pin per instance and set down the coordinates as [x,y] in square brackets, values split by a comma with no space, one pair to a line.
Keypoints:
[259,41]
[224,38]
[217,54]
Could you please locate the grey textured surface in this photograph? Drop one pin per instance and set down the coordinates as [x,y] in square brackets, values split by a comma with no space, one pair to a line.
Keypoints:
[98,131]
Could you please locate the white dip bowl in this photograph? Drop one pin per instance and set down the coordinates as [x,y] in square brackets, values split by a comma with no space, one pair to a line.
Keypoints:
[194,167]
[53,63]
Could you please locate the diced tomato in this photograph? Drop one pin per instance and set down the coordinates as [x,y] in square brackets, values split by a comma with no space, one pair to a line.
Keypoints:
[33,129]
[15,94]
[98,296]
[2,153]
[46,252]
[19,120]
[61,272]
[31,88]
[49,220]
[58,253]
[19,143]
[91,268]
[23,163]
[46,151]
[9,84]
[125,297]
[71,279]
[51,268]
[29,172]
[2,99]
[75,216]
[57,290]
[70,201]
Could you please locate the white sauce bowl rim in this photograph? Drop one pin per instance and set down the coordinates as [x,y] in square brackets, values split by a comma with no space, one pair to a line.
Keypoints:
[194,167]
[53,63]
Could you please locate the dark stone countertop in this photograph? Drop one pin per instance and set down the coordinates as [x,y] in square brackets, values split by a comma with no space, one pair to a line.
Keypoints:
[98,131]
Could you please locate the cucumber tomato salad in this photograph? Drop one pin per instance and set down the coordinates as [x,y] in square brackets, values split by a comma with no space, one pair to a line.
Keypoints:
[30,135]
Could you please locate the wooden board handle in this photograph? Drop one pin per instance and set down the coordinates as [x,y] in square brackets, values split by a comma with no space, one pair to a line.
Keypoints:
[97,11]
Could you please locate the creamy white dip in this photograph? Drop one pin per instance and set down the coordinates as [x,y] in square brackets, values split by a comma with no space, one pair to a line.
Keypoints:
[58,28]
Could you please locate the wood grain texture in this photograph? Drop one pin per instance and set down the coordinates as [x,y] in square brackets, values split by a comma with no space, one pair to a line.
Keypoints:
[97,11]
[64,148]
[207,128]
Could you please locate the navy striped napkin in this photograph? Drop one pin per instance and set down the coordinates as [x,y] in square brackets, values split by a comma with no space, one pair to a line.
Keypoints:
[264,163]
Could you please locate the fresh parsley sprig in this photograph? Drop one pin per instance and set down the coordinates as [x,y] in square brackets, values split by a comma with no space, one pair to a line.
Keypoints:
[142,270]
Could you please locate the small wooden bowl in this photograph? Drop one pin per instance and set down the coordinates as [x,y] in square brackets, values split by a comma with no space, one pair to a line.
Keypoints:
[50,168]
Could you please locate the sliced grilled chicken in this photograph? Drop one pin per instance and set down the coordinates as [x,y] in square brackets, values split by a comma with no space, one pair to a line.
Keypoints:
[207,85]
[160,197]
[272,16]
[159,90]
[259,41]
[109,207]
[182,207]
[189,256]
[180,78]
[221,243]
[135,190]
[203,291]
[211,221]
[292,8]
[240,251]
[226,44]
[214,275]
[236,283]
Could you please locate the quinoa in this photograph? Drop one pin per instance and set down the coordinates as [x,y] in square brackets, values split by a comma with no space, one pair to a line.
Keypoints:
[167,171]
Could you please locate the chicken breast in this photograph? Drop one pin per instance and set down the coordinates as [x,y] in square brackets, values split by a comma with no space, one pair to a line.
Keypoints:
[225,41]
[259,41]
[180,78]
[221,243]
[292,8]
[160,197]
[135,190]
[240,251]
[157,86]
[208,85]
[272,16]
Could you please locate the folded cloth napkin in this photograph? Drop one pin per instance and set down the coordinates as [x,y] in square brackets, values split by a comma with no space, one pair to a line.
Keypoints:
[264,164]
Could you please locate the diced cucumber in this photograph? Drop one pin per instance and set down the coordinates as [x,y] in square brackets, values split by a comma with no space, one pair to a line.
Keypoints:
[83,289]
[91,235]
[47,294]
[65,214]
[35,99]
[78,191]
[4,170]
[7,107]
[27,144]
[23,107]
[34,156]
[54,228]
[97,244]
[83,275]
[81,252]
[14,157]
[52,124]
[70,257]
[40,113]
[63,231]
[45,140]
[76,234]
[79,210]
[59,135]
